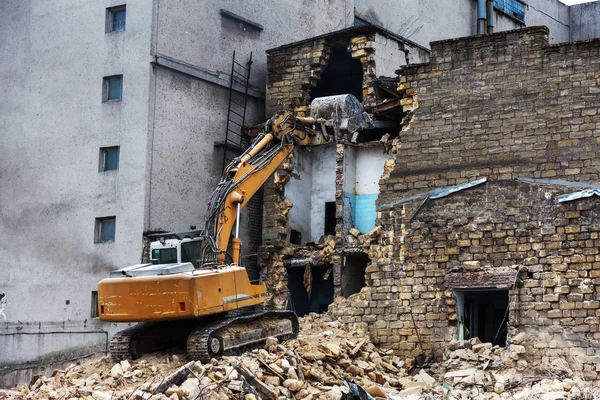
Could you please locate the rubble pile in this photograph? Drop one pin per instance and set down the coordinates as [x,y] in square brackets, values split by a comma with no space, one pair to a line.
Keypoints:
[472,369]
[328,360]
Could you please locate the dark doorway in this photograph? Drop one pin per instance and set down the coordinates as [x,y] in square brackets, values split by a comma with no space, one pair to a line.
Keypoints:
[295,237]
[342,75]
[321,295]
[484,315]
[329,218]
[353,273]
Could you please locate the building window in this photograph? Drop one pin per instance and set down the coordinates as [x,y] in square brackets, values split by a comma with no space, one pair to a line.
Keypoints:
[244,24]
[109,158]
[105,229]
[94,308]
[513,8]
[330,221]
[295,237]
[113,88]
[115,19]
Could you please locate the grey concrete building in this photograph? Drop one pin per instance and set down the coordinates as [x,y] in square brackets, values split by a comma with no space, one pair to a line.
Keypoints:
[109,115]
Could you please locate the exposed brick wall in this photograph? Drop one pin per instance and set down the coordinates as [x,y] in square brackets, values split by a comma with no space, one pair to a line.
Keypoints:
[500,106]
[505,106]
[291,72]
[361,47]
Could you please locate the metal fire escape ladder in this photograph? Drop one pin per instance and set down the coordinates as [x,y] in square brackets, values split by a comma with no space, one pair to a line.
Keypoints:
[239,82]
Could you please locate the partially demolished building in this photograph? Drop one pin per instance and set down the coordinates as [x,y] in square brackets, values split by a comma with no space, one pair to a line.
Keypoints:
[321,200]
[486,218]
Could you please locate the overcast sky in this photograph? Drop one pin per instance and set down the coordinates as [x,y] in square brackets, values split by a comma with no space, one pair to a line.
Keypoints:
[571,2]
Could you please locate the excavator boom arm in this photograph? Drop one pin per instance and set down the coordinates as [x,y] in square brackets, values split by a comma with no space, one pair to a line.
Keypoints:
[246,175]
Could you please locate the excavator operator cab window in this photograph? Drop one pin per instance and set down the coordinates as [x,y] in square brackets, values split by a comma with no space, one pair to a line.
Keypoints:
[164,256]
[191,252]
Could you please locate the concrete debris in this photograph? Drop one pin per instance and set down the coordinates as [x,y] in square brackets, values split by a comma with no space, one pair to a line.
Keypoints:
[316,365]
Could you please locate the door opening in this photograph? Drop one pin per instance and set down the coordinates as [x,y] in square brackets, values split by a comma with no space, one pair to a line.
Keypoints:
[330,218]
[483,314]
[353,273]
[321,294]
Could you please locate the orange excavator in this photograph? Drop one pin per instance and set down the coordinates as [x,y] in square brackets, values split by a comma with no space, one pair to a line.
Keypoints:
[195,291]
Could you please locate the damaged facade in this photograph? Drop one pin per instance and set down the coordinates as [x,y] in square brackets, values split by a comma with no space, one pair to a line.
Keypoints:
[487,219]
[517,249]
[323,199]
[174,61]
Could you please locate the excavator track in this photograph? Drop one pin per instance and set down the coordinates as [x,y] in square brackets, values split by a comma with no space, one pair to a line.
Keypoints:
[119,346]
[220,337]
[208,337]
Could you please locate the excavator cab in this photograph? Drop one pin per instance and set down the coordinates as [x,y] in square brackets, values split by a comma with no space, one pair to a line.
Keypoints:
[177,251]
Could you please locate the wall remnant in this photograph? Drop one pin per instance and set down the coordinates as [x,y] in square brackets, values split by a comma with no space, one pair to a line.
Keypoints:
[327,195]
[523,114]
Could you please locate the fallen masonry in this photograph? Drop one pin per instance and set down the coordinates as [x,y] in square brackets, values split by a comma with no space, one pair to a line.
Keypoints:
[317,365]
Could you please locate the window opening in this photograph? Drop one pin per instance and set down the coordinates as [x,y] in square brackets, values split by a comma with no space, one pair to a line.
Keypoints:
[105,229]
[330,218]
[94,307]
[113,88]
[295,237]
[109,158]
[483,314]
[115,19]
[342,75]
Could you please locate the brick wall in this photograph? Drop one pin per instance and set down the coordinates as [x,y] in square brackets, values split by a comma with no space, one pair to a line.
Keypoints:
[505,106]
[291,72]
[501,106]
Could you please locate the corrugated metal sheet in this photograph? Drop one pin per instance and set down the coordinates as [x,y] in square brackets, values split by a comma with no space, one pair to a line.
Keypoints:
[578,195]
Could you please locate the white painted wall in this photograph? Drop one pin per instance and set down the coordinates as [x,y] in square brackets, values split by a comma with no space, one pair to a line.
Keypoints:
[299,192]
[369,168]
[363,167]
[323,187]
[312,185]
[350,170]
[388,58]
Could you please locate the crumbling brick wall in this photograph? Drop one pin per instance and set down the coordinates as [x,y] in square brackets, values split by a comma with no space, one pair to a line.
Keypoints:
[502,106]
[292,72]
[361,47]
[506,105]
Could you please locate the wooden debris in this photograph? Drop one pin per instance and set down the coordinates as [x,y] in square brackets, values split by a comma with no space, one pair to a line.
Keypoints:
[264,391]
